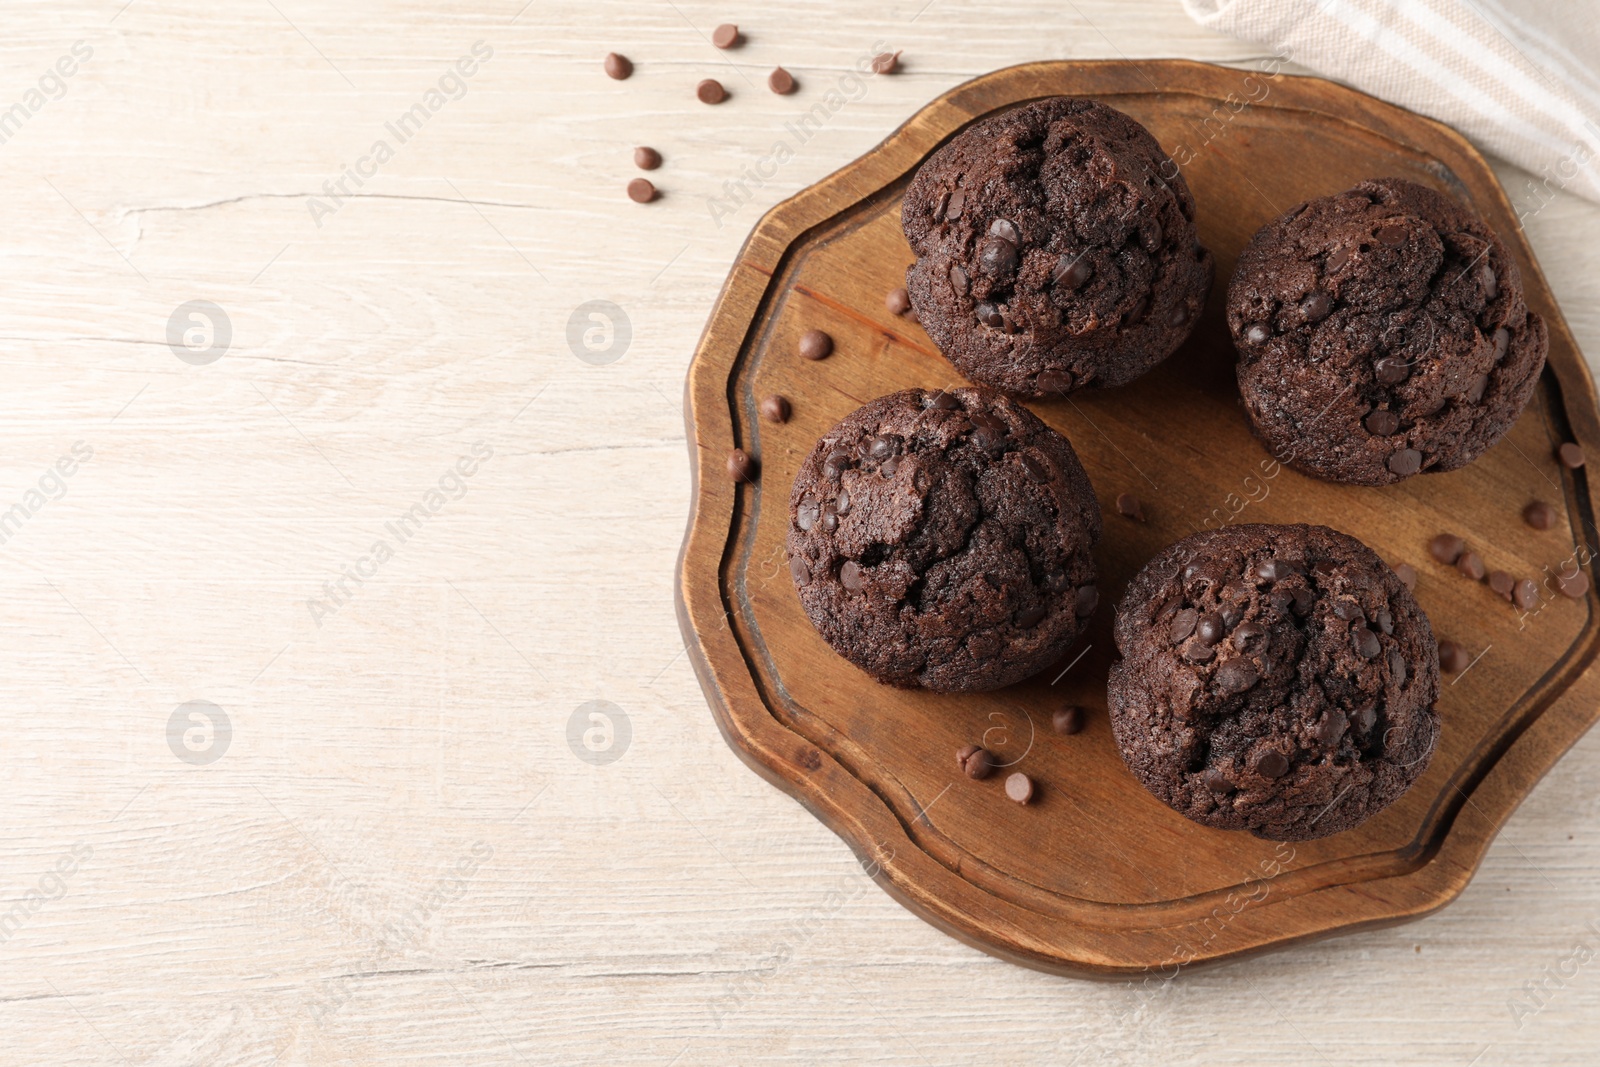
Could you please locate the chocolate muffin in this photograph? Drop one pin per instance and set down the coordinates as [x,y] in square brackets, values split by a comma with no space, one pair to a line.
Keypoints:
[1276,679]
[943,540]
[1055,249]
[1382,333]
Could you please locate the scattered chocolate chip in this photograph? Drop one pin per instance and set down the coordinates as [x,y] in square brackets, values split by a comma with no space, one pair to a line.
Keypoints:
[1019,787]
[1316,306]
[959,280]
[1471,565]
[1257,333]
[1209,628]
[775,408]
[958,201]
[1332,727]
[836,463]
[1347,610]
[1272,764]
[814,344]
[830,518]
[1366,642]
[898,301]
[1183,624]
[741,468]
[1502,341]
[1407,575]
[1393,235]
[1525,595]
[1248,634]
[1178,315]
[1071,271]
[1304,601]
[850,576]
[1502,583]
[1198,653]
[886,63]
[997,256]
[618,66]
[1453,658]
[1476,388]
[1131,506]
[646,158]
[1397,668]
[1068,720]
[1384,621]
[1055,381]
[1366,718]
[1086,600]
[1486,278]
[944,401]
[1446,548]
[1028,618]
[1382,422]
[710,91]
[641,191]
[781,82]
[1570,455]
[842,502]
[1218,782]
[989,315]
[1275,570]
[1006,230]
[799,571]
[727,36]
[1338,258]
[1034,467]
[975,762]
[1539,515]
[1573,585]
[806,514]
[1392,370]
[1405,462]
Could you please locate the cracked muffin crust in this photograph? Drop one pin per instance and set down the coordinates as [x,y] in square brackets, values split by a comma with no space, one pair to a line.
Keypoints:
[1055,249]
[943,540]
[1381,333]
[1276,679]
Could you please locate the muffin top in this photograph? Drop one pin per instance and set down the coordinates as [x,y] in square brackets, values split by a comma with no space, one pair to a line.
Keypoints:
[1276,679]
[943,540]
[1055,249]
[1381,333]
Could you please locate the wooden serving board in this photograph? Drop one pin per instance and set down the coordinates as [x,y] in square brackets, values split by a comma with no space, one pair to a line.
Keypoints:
[1096,877]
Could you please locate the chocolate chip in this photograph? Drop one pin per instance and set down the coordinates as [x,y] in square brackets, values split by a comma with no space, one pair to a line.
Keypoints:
[1275,570]
[775,408]
[1486,278]
[1272,764]
[959,280]
[1393,234]
[781,81]
[1068,720]
[1332,727]
[1453,658]
[842,502]
[975,762]
[886,63]
[830,518]
[1028,618]
[1198,653]
[1140,307]
[1405,462]
[1150,235]
[1347,610]
[943,401]
[1006,230]
[814,344]
[1502,583]
[997,256]
[741,468]
[727,36]
[1502,341]
[1476,388]
[646,158]
[806,514]
[1183,624]
[1056,582]
[1054,381]
[1383,620]
[1397,668]
[710,91]
[898,301]
[1391,370]
[1570,455]
[1248,634]
[1471,565]
[1218,782]
[1573,584]
[1366,718]
[1071,271]
[1257,333]
[1316,306]
[1209,629]
[1407,575]
[1019,787]
[892,464]
[836,463]
[1178,315]
[1034,467]
[618,66]
[989,315]
[1231,613]
[1539,515]
[1366,642]
[1338,258]
[880,447]
[1131,506]
[1304,601]
[799,571]
[1086,600]
[850,576]
[941,202]
[1235,676]
[641,191]
[1446,548]
[1525,595]
[1382,422]
[958,201]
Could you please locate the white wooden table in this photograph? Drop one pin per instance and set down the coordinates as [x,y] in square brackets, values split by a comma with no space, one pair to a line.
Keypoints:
[389,851]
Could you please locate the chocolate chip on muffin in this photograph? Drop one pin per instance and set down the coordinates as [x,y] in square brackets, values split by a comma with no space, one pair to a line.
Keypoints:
[943,540]
[1056,249]
[1382,333]
[1275,679]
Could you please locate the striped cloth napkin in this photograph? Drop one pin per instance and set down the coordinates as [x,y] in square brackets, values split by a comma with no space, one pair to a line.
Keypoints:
[1521,78]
